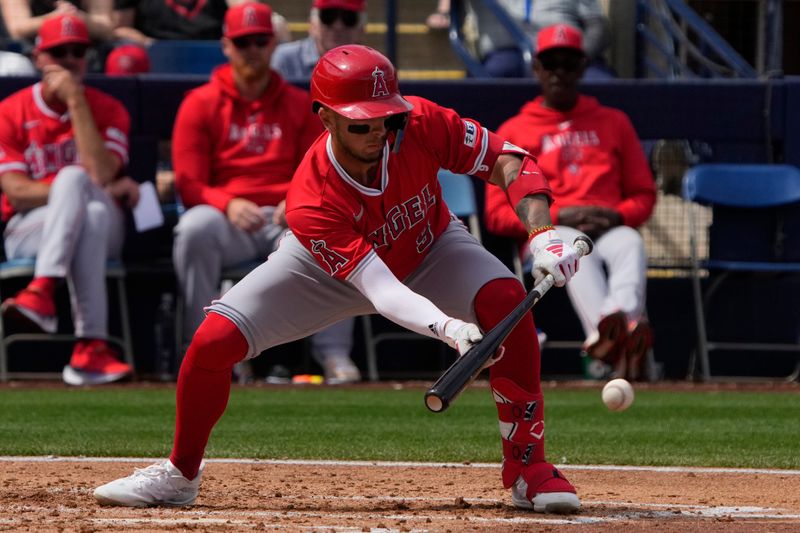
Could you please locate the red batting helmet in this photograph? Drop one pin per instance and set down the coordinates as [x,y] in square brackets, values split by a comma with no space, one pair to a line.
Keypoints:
[358,82]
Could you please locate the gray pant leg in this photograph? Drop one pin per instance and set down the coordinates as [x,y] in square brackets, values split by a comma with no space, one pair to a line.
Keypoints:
[287,298]
[205,243]
[72,236]
[456,268]
[103,227]
[23,234]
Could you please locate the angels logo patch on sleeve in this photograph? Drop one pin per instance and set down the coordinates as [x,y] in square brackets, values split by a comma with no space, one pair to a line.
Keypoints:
[333,259]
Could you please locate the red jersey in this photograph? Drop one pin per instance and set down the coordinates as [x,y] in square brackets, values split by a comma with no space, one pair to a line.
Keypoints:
[38,141]
[225,147]
[590,155]
[340,221]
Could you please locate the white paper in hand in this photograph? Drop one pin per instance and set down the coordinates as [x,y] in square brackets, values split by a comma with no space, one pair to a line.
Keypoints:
[147,213]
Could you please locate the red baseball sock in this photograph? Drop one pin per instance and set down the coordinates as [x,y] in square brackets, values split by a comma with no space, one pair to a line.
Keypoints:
[521,361]
[44,285]
[204,384]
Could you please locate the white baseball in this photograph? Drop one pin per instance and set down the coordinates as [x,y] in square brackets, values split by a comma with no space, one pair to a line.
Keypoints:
[618,395]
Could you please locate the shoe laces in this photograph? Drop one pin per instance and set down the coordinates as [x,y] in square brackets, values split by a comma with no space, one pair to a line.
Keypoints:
[143,477]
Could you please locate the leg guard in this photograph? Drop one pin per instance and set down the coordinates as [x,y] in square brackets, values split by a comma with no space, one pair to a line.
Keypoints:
[535,484]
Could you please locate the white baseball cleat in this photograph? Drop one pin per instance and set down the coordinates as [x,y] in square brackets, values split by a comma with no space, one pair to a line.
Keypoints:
[158,484]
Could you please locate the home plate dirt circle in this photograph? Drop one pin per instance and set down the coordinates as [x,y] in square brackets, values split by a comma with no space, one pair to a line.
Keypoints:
[55,494]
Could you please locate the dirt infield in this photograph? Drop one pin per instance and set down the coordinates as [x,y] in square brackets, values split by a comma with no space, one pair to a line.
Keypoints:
[55,495]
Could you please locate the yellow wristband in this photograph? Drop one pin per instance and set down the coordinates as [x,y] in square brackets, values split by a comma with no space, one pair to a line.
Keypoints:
[541,229]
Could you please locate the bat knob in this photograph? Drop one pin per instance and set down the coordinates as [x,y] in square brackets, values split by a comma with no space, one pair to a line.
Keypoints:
[583,244]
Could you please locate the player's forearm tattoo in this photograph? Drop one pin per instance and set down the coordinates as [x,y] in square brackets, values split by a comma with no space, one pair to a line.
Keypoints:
[529,215]
[510,172]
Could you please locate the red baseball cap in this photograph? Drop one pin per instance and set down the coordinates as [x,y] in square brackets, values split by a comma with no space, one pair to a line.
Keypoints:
[62,29]
[559,36]
[249,18]
[350,5]
[127,60]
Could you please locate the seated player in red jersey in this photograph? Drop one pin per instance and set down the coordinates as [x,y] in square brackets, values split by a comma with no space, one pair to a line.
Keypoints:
[62,149]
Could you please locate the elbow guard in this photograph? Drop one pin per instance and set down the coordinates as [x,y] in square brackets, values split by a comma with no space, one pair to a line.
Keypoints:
[529,181]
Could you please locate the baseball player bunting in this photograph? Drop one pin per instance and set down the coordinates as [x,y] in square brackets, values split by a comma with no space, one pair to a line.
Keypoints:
[371,233]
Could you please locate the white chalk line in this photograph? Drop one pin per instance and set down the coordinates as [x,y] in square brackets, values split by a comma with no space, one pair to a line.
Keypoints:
[640,511]
[486,502]
[411,464]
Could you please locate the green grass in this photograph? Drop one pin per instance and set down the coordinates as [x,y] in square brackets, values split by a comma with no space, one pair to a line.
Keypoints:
[741,429]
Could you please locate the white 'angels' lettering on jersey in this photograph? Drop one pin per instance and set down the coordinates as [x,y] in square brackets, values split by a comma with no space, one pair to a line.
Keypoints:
[569,138]
[333,259]
[49,158]
[402,217]
[255,135]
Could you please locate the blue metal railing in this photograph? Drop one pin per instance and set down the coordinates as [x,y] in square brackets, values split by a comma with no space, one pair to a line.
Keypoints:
[676,42]
[473,65]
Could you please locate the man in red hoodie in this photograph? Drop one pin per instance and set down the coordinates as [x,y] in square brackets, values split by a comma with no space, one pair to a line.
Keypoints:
[602,186]
[236,143]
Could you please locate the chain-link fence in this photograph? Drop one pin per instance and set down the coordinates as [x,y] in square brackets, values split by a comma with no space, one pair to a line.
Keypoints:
[666,234]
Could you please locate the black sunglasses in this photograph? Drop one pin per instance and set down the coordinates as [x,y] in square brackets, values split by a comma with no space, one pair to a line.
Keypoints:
[568,63]
[331,15]
[244,42]
[393,123]
[60,52]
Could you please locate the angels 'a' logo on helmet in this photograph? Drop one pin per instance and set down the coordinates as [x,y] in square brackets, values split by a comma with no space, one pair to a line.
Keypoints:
[379,87]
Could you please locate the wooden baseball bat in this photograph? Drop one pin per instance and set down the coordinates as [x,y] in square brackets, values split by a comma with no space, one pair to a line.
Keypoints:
[467,367]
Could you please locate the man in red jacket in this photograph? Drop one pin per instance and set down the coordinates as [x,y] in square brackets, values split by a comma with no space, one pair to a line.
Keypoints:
[236,143]
[602,186]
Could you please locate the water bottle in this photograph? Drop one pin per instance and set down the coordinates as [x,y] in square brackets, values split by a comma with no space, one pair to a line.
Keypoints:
[165,338]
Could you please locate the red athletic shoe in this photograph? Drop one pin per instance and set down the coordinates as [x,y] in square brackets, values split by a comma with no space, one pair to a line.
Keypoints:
[32,308]
[94,363]
[543,488]
[640,340]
